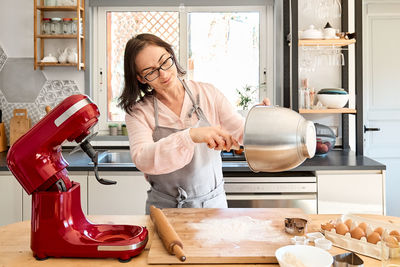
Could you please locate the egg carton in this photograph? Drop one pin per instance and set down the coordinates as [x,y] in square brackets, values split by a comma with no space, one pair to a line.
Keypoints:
[361,246]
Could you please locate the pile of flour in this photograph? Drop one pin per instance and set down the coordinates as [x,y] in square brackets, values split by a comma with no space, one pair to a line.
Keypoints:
[237,229]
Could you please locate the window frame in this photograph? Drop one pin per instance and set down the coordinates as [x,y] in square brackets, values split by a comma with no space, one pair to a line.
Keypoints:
[99,62]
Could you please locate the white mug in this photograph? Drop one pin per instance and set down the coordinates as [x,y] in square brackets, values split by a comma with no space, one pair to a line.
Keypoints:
[72,56]
[330,33]
[62,58]
[49,58]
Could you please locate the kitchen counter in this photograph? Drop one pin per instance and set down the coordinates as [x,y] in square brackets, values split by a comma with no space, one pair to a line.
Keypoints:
[334,160]
[15,243]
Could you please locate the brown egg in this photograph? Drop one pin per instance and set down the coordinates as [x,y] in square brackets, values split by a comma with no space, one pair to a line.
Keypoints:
[348,223]
[363,226]
[357,233]
[379,230]
[397,237]
[394,232]
[391,242]
[374,238]
[327,226]
[342,229]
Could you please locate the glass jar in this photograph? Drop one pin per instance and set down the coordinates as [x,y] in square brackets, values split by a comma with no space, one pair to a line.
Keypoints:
[45,27]
[50,2]
[75,26]
[56,26]
[67,26]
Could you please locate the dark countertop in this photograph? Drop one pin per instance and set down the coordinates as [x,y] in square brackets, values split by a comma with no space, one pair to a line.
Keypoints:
[334,160]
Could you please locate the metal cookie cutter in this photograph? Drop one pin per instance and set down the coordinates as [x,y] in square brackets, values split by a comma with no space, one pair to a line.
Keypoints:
[295,226]
[349,259]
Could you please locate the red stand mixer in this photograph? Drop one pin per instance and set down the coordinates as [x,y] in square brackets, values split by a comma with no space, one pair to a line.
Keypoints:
[58,227]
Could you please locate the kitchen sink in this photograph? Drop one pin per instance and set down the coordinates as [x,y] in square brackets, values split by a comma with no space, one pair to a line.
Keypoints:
[115,158]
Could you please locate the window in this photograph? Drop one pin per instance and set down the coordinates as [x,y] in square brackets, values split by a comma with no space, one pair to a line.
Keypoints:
[121,26]
[225,46]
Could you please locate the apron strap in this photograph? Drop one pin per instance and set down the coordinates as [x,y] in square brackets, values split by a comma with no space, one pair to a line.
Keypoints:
[155,111]
[195,108]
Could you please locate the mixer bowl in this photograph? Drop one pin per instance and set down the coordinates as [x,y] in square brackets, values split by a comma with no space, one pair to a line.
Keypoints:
[277,139]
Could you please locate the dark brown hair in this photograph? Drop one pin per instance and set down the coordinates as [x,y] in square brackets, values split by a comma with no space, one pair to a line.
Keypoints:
[134,90]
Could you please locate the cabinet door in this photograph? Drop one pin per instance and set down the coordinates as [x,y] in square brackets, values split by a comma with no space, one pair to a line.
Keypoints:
[342,192]
[127,197]
[10,199]
[80,177]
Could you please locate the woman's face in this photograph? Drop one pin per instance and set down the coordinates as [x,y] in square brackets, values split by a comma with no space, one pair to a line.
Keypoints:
[150,59]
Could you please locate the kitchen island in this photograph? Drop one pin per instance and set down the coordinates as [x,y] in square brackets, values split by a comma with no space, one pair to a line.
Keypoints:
[15,243]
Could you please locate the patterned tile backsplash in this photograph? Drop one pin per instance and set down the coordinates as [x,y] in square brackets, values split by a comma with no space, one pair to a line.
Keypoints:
[19,82]
[3,58]
[51,94]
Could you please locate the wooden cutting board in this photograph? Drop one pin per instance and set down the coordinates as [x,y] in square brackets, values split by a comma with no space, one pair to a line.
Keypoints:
[225,235]
[19,124]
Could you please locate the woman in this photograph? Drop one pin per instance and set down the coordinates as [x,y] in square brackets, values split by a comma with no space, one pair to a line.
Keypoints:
[176,128]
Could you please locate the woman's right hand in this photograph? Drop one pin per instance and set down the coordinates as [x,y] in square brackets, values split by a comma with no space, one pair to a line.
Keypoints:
[214,137]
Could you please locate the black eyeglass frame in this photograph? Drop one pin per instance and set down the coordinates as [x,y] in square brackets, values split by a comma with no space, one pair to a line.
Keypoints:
[159,68]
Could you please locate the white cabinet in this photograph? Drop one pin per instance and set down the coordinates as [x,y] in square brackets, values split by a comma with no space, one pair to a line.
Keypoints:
[342,192]
[10,199]
[127,197]
[80,177]
[26,206]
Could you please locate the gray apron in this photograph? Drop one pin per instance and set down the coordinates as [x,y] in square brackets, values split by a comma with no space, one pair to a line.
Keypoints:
[199,184]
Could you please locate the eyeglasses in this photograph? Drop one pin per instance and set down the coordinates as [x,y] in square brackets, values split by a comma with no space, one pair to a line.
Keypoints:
[154,74]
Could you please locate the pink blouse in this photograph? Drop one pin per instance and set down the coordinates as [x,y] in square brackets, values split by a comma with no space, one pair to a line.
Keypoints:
[175,151]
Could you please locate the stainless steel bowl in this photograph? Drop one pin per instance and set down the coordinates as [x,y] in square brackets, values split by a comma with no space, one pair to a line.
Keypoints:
[277,139]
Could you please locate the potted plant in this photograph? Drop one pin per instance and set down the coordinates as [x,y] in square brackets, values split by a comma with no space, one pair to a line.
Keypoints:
[124,130]
[246,98]
[113,129]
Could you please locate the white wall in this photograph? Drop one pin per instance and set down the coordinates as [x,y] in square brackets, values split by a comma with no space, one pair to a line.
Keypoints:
[16,38]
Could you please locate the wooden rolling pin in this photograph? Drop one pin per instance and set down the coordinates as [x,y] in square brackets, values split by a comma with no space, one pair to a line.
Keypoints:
[167,234]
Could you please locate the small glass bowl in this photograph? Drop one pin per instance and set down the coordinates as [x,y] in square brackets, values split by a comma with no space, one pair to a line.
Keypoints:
[324,145]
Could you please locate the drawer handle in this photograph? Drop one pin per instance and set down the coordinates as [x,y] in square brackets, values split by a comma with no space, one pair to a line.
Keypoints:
[270,197]
[371,129]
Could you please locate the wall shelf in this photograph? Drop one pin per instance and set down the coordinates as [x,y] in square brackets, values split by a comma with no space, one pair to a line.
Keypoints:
[293,49]
[58,8]
[328,111]
[56,64]
[60,36]
[39,40]
[328,42]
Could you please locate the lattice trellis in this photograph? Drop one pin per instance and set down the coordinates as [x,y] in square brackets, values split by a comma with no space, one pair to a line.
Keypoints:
[121,26]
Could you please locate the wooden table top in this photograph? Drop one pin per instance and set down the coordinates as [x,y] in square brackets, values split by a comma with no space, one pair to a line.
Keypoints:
[15,243]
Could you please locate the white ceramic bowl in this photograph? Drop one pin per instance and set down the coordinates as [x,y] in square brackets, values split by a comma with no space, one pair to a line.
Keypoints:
[333,101]
[308,255]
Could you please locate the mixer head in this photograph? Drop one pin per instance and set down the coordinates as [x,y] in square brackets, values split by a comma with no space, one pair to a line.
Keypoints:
[35,159]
